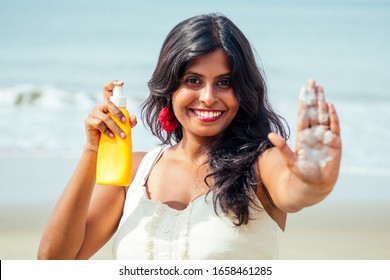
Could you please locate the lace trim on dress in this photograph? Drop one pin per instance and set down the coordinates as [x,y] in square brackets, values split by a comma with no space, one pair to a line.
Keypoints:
[152,232]
[180,233]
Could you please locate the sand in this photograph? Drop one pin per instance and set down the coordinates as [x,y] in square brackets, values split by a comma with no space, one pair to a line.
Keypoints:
[349,224]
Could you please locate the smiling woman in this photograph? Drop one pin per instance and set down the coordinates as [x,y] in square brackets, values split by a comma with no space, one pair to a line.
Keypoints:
[223,184]
[205,103]
[214,70]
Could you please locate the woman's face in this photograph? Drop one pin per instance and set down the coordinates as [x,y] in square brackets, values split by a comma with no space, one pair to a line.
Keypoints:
[205,103]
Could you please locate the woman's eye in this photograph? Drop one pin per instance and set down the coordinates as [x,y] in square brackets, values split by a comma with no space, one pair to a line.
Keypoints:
[225,83]
[192,81]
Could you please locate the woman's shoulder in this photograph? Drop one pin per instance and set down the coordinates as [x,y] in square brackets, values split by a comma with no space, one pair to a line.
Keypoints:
[140,156]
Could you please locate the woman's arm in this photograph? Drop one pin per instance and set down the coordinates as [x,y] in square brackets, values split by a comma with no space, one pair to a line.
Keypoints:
[67,230]
[306,176]
[86,215]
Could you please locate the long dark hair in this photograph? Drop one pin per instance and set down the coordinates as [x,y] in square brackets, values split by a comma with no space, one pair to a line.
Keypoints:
[233,160]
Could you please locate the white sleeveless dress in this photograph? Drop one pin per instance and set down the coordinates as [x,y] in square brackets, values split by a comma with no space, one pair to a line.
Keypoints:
[150,229]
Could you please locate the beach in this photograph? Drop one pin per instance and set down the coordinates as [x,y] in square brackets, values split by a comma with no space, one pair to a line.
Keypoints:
[55,57]
[339,228]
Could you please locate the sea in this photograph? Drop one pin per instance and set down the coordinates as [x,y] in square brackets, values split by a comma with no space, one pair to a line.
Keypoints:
[55,57]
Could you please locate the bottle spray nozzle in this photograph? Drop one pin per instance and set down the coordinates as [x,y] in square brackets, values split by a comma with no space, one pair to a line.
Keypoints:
[118,98]
[118,91]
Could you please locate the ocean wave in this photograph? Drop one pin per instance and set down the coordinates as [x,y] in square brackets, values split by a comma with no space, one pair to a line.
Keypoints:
[46,97]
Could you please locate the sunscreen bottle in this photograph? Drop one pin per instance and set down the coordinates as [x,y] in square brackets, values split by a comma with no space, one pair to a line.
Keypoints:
[114,159]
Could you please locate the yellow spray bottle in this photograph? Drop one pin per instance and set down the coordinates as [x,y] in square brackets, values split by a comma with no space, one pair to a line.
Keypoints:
[114,159]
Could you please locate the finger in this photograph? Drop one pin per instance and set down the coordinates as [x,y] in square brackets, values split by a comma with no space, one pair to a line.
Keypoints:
[308,97]
[334,120]
[106,124]
[114,110]
[108,88]
[281,144]
[313,108]
[303,117]
[133,121]
[323,114]
[94,123]
[311,83]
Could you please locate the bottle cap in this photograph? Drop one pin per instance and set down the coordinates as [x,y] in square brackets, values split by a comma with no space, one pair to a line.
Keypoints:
[118,98]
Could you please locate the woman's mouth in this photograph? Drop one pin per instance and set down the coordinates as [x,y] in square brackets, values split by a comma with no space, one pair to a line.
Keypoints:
[208,115]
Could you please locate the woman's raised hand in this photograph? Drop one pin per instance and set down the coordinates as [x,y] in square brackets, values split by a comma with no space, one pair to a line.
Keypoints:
[317,155]
[99,121]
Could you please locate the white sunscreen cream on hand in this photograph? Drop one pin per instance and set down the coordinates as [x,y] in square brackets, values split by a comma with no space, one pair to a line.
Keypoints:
[313,141]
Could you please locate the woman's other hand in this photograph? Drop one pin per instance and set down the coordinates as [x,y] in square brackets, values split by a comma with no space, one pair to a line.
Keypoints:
[317,155]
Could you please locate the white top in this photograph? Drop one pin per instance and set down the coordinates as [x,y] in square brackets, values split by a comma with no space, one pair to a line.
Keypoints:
[150,229]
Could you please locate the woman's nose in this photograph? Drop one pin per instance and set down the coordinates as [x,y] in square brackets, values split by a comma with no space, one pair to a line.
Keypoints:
[208,95]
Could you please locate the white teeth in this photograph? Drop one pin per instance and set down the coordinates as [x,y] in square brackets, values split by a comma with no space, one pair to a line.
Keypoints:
[208,114]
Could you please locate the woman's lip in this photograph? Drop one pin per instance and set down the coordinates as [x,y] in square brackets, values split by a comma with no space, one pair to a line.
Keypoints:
[207,115]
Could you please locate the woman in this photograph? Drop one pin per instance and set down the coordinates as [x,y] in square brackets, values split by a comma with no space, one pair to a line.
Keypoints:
[223,184]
